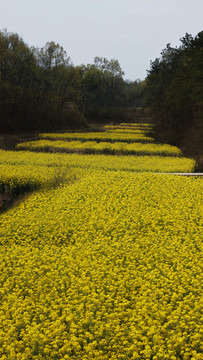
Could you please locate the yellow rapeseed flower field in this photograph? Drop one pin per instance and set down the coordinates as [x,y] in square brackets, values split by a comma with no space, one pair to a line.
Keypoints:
[106,264]
[101,147]
[129,127]
[99,136]
[134,125]
[106,267]
[110,162]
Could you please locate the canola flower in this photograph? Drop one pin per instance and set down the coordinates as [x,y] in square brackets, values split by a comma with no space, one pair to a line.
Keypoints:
[101,147]
[135,125]
[21,178]
[103,162]
[125,130]
[108,267]
[99,136]
[136,128]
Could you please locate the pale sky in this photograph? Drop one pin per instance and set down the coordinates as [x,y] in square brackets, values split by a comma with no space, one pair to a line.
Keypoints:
[131,31]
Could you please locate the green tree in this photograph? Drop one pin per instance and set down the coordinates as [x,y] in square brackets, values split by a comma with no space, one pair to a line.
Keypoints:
[51,56]
[174,91]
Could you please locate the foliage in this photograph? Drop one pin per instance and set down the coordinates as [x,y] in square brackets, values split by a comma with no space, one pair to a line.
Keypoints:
[41,89]
[174,92]
[51,56]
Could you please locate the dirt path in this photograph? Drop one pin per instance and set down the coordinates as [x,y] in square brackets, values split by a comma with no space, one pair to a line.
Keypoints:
[183,174]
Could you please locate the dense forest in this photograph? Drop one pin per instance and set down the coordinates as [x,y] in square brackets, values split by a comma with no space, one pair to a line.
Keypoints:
[174,93]
[41,89]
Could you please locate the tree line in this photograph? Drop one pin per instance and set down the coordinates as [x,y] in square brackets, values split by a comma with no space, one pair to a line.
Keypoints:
[174,93]
[41,89]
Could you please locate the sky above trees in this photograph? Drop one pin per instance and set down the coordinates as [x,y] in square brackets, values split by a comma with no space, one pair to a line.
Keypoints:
[132,31]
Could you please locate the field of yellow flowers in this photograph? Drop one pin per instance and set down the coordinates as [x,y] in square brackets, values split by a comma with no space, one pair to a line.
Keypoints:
[116,140]
[134,136]
[106,264]
[101,147]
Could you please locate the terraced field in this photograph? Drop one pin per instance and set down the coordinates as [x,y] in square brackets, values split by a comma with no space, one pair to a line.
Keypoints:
[101,136]
[93,147]
[103,260]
